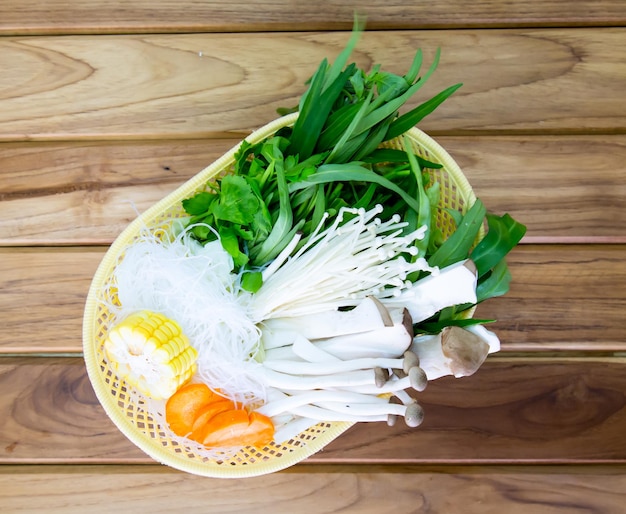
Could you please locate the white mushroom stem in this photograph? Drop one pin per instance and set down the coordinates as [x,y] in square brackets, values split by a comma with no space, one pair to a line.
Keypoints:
[404,397]
[415,380]
[452,285]
[362,409]
[299,348]
[292,428]
[357,380]
[271,339]
[455,351]
[327,368]
[369,314]
[314,412]
[383,342]
[286,381]
[287,403]
[306,350]
[412,414]
[282,256]
[338,405]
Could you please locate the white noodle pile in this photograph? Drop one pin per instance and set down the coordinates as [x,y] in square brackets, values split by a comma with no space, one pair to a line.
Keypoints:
[193,285]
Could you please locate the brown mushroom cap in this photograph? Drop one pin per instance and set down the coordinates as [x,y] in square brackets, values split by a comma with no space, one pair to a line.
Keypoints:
[466,350]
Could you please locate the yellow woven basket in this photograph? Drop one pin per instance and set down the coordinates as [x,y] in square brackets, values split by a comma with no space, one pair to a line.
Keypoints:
[137,424]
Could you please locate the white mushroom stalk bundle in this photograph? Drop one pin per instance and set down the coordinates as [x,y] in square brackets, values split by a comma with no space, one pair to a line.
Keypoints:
[309,380]
[337,326]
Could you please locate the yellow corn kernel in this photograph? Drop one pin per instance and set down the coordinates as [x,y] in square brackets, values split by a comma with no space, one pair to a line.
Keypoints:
[151,353]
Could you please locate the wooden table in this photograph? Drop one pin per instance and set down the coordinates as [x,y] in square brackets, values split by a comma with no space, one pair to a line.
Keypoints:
[107,106]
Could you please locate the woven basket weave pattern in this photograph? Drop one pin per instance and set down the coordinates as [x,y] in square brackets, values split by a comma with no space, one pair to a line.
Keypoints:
[120,404]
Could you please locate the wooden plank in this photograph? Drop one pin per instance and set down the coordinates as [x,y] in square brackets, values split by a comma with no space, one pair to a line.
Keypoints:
[76,16]
[371,490]
[206,85]
[86,193]
[524,411]
[42,298]
[554,288]
[562,298]
[565,189]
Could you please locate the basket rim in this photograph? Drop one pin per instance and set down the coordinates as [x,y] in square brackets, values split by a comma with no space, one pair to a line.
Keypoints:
[103,392]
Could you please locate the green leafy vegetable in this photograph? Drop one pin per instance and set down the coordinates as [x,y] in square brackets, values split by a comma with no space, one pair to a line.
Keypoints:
[332,158]
[503,235]
[434,327]
[457,247]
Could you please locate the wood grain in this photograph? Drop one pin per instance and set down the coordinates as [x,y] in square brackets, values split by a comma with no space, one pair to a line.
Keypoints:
[562,298]
[208,85]
[554,289]
[86,193]
[42,298]
[105,107]
[74,16]
[534,411]
[320,489]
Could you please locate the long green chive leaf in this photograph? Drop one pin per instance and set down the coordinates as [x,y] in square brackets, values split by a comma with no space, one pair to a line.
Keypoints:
[434,327]
[414,116]
[423,213]
[503,235]
[348,132]
[337,123]
[283,223]
[307,129]
[342,59]
[496,283]
[373,140]
[396,156]
[352,171]
[319,207]
[388,109]
[458,245]
[314,90]
[414,70]
[349,148]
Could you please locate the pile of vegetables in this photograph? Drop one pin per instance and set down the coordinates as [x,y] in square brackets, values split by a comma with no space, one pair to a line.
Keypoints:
[311,283]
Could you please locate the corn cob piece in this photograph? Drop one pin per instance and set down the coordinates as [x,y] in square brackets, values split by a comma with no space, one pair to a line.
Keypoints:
[151,353]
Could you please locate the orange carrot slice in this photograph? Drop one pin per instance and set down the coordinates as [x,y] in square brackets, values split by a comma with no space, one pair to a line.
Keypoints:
[237,428]
[261,429]
[183,407]
[205,414]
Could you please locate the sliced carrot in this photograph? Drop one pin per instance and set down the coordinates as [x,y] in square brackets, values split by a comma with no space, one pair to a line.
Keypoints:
[205,414]
[226,428]
[261,429]
[183,407]
[237,428]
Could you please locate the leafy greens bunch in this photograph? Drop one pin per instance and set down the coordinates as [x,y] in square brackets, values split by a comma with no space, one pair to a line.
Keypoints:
[332,158]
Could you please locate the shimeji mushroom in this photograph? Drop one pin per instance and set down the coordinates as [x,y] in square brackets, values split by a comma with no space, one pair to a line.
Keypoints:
[340,405]
[349,372]
[358,380]
[454,351]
